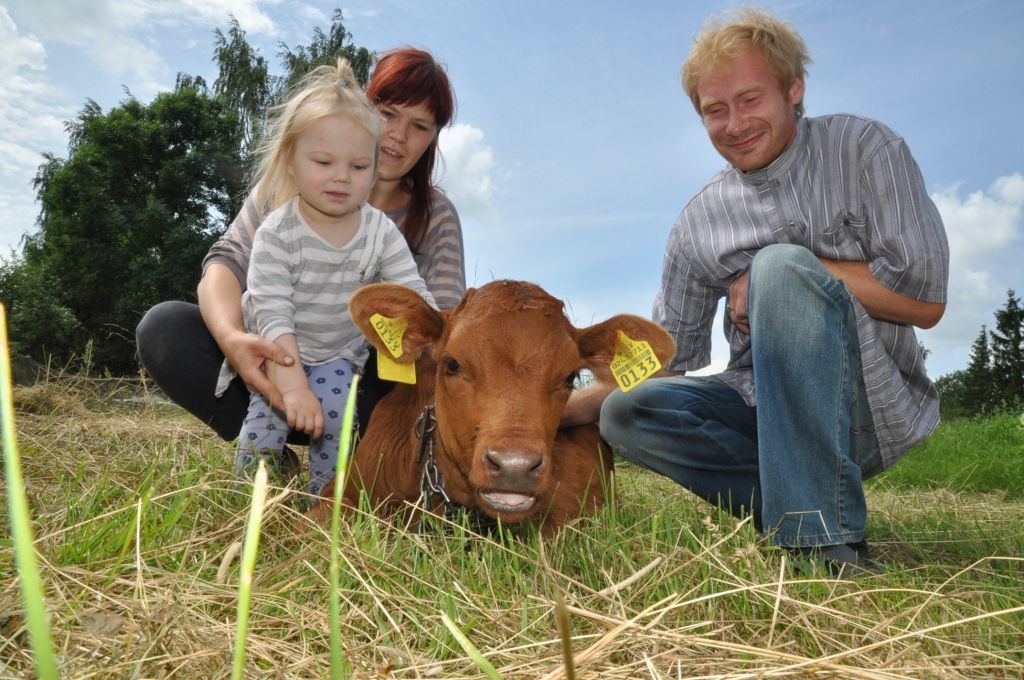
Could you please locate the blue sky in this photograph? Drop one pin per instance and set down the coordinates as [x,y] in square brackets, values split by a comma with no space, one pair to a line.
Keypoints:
[575,147]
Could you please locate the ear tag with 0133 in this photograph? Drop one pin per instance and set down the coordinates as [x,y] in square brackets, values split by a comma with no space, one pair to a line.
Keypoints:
[634,362]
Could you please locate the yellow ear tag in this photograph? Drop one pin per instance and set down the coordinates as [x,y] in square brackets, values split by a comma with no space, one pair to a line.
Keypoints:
[634,362]
[391,332]
[389,369]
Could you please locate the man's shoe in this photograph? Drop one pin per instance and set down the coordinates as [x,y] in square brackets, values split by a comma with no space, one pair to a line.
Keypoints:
[845,559]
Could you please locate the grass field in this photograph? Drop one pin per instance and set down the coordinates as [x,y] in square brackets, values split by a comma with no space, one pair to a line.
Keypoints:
[136,519]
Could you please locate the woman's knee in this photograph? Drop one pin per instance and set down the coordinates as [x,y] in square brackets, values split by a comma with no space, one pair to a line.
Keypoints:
[163,316]
[166,331]
[151,329]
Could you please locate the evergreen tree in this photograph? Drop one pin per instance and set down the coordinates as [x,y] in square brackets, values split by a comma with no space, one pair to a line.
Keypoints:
[976,390]
[1008,353]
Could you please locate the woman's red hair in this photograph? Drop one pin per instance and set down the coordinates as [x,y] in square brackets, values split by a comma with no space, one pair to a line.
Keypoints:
[409,76]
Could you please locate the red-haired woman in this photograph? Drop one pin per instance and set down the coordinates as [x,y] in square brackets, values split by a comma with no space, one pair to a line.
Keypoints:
[182,345]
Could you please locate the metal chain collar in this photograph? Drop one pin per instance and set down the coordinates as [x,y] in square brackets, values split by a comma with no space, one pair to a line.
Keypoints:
[431,482]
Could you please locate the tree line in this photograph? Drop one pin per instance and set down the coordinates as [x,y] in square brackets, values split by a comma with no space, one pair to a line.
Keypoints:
[145,189]
[994,378]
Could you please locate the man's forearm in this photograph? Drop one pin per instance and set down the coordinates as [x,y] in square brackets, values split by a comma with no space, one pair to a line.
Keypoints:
[584,405]
[879,301]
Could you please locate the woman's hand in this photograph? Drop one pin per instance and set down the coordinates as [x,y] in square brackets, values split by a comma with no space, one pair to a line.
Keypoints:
[220,303]
[253,358]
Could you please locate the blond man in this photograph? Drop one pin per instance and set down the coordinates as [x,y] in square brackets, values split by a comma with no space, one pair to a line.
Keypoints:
[822,240]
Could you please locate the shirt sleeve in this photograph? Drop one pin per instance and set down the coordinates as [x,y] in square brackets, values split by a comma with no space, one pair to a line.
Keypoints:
[442,264]
[234,246]
[909,253]
[397,265]
[269,296]
[684,306]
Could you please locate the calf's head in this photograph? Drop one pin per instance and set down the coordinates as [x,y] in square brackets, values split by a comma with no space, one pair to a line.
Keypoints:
[503,365]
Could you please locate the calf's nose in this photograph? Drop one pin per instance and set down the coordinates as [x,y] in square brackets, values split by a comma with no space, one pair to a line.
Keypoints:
[513,470]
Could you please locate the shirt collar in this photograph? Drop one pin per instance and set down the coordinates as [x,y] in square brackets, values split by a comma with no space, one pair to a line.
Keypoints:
[781,165]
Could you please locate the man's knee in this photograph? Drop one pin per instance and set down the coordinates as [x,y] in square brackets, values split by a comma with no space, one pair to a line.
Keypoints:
[616,415]
[623,414]
[780,260]
[785,278]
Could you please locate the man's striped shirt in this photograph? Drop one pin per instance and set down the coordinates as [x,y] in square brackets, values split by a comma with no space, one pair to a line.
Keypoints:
[847,188]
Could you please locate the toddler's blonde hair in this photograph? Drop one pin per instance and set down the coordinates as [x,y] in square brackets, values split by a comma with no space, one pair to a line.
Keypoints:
[324,91]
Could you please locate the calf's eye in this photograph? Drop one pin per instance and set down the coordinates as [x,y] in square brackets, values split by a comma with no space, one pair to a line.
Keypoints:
[451,366]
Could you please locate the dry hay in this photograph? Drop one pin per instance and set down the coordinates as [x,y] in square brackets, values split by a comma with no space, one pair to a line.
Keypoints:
[715,605]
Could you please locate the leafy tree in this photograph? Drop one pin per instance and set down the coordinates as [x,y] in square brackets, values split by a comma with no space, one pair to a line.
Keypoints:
[324,48]
[39,321]
[952,402]
[243,81]
[1008,352]
[146,188]
[127,218]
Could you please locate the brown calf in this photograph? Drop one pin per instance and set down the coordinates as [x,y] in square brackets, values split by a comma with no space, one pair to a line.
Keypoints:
[497,371]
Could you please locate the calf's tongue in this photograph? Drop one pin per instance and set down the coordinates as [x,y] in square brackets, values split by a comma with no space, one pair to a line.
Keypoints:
[506,498]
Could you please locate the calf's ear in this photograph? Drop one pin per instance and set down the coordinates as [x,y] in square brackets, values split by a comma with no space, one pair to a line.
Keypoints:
[423,324]
[598,343]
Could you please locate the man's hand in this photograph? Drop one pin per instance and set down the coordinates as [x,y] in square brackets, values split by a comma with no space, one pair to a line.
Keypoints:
[736,302]
[253,358]
[584,405]
[304,411]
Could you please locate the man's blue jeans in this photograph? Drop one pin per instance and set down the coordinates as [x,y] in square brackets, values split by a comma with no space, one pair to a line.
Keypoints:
[797,459]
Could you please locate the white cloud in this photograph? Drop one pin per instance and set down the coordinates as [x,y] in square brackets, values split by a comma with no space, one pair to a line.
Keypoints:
[1010,189]
[985,242]
[29,123]
[120,40]
[123,38]
[17,51]
[250,17]
[983,223]
[467,169]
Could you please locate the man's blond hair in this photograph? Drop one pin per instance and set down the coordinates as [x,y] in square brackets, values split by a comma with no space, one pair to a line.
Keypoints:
[724,37]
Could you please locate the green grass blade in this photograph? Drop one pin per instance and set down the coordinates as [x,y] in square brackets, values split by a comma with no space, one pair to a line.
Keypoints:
[479,659]
[339,666]
[565,633]
[21,528]
[251,545]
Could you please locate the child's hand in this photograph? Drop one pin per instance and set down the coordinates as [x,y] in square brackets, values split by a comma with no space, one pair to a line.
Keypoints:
[304,411]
